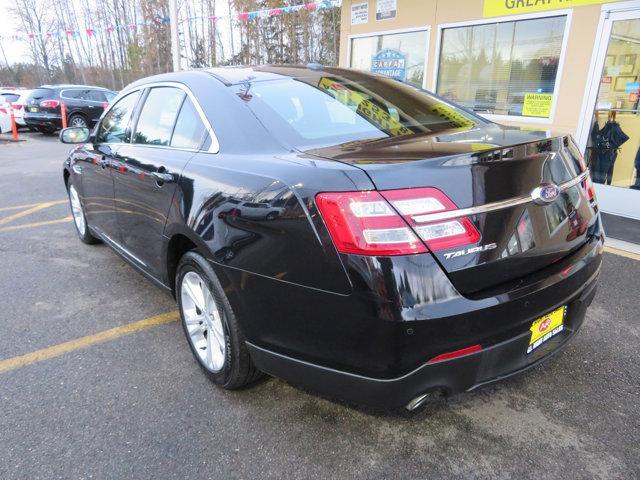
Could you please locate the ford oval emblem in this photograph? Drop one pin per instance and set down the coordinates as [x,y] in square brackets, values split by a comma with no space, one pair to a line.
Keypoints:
[545,193]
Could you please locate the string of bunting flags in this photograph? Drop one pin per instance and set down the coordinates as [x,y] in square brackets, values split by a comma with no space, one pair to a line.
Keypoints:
[133,27]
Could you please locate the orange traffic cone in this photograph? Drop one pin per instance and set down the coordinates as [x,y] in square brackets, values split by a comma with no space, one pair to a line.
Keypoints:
[14,127]
[63,112]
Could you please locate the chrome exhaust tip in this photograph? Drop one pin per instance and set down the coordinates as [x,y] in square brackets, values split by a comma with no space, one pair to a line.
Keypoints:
[416,402]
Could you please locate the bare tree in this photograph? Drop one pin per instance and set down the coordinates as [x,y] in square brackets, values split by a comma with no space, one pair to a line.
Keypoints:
[112,42]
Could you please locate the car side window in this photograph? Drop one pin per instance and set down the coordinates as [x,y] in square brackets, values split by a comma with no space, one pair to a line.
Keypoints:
[190,132]
[71,94]
[114,127]
[96,96]
[158,116]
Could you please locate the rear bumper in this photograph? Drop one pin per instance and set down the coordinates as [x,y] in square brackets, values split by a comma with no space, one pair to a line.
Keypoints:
[495,362]
[46,121]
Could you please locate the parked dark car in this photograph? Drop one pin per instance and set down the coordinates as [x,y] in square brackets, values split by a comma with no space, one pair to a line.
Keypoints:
[84,105]
[418,249]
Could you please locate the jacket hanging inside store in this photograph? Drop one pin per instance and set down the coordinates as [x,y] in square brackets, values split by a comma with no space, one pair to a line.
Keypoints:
[636,164]
[606,143]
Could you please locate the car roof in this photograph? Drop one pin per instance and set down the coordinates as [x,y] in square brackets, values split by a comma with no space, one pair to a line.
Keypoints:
[242,74]
[70,85]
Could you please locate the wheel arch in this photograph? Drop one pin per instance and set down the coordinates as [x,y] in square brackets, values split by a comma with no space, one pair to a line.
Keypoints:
[177,245]
[179,239]
[66,174]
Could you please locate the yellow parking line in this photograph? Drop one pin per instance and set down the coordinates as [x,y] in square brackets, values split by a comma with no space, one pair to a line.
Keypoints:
[24,213]
[622,253]
[18,207]
[36,224]
[84,342]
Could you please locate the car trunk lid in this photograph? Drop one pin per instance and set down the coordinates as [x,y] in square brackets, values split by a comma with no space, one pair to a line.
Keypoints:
[38,96]
[491,174]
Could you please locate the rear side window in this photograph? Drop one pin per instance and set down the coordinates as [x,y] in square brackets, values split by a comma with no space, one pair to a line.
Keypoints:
[96,96]
[158,116]
[114,126]
[190,131]
[74,94]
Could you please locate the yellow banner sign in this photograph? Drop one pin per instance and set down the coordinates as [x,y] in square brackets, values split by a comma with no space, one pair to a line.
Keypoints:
[496,8]
[537,105]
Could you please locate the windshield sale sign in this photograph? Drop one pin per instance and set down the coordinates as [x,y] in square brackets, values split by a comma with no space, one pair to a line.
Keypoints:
[389,63]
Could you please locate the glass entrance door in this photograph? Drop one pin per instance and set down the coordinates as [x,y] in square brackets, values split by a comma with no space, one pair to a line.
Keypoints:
[613,136]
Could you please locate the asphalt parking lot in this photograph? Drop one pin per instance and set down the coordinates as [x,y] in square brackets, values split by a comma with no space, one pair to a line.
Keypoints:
[124,399]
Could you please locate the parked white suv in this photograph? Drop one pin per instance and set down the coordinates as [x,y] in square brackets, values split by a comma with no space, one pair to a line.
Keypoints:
[18,98]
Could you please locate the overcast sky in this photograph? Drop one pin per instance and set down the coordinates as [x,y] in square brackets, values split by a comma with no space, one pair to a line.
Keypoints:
[14,50]
[18,51]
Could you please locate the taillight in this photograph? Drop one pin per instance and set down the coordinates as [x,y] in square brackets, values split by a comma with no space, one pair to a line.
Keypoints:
[17,107]
[413,203]
[50,103]
[3,110]
[364,223]
[382,223]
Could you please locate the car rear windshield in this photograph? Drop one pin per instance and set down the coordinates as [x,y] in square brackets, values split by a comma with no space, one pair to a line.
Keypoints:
[9,97]
[40,93]
[326,110]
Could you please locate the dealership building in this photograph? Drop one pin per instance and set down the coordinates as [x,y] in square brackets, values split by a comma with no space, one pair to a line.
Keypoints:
[531,63]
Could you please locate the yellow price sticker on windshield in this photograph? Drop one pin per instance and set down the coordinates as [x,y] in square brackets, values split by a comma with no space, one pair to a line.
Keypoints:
[367,109]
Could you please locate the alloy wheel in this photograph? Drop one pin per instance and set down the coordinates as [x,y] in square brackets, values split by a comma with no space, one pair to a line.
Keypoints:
[76,209]
[203,321]
[78,122]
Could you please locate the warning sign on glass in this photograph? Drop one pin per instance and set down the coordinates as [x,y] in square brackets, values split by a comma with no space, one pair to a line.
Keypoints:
[386,9]
[359,13]
[537,105]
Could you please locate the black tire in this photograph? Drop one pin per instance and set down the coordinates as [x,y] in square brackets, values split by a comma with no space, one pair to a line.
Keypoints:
[85,236]
[77,120]
[238,369]
[32,129]
[46,130]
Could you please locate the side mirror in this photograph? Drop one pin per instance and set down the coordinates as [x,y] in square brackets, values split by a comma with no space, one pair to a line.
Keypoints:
[74,135]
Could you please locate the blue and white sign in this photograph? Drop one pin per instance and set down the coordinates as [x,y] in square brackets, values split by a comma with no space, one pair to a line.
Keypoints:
[389,63]
[632,87]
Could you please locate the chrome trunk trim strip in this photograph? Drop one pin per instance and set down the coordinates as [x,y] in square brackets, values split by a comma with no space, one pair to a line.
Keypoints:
[489,207]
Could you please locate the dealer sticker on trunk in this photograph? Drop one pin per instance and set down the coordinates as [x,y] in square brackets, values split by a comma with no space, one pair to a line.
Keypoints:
[546,327]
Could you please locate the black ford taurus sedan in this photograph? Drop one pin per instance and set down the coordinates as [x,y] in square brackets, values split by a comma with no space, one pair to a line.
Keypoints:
[346,232]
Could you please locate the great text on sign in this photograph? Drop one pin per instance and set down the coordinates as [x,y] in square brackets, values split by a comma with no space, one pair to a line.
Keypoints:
[496,8]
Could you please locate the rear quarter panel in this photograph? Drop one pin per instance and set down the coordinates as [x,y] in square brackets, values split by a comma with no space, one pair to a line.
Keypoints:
[287,244]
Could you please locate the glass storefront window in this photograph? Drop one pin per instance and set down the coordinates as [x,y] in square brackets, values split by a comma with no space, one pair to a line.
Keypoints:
[505,68]
[613,150]
[398,55]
